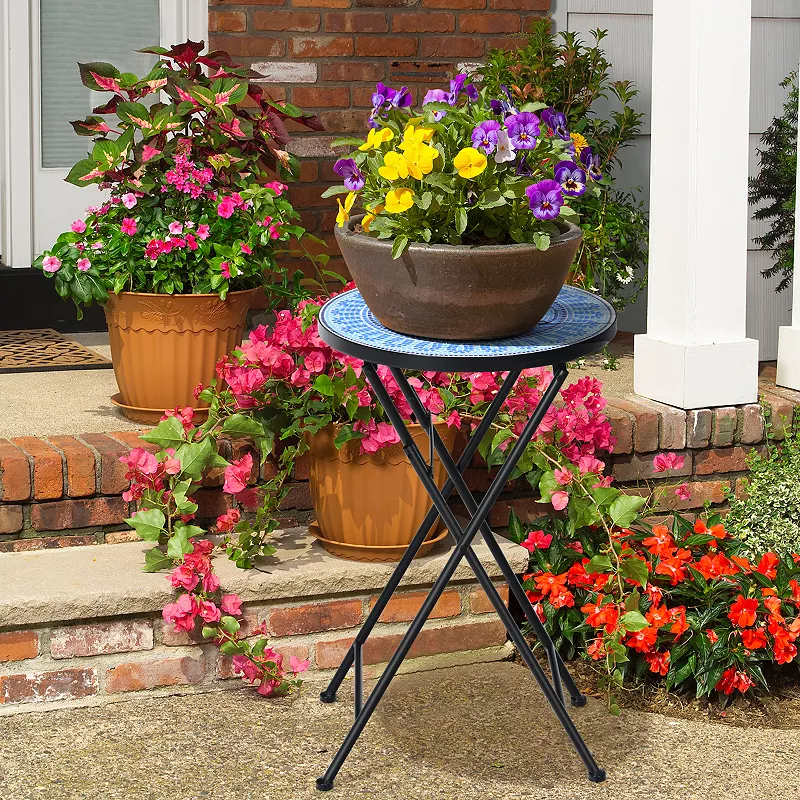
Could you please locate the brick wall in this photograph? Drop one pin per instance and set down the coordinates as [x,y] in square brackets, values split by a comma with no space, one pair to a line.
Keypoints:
[95,661]
[326,56]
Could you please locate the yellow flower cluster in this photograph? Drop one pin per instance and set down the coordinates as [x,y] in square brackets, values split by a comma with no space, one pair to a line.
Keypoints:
[416,158]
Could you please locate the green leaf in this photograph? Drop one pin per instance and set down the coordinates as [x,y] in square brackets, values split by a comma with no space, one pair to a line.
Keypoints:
[347,141]
[424,202]
[492,198]
[242,425]
[324,385]
[634,621]
[155,560]
[136,114]
[148,524]
[168,433]
[179,544]
[230,625]
[84,173]
[334,190]
[599,564]
[461,220]
[195,457]
[399,245]
[636,570]
[625,509]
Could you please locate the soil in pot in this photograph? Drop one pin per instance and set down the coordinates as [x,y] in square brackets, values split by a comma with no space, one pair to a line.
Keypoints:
[369,505]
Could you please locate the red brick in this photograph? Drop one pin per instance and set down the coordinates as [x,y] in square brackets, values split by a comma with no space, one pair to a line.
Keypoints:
[521,5]
[356,22]
[81,479]
[431,641]
[15,473]
[138,675]
[120,537]
[133,439]
[211,502]
[479,601]
[701,492]
[295,21]
[526,508]
[403,607]
[621,428]
[315,617]
[320,46]
[18,645]
[386,46]
[225,665]
[510,42]
[69,514]
[249,46]
[751,424]
[112,470]
[698,427]
[40,687]
[489,23]
[385,3]
[258,2]
[456,4]
[309,172]
[452,47]
[781,412]
[724,427]
[321,3]
[645,427]
[353,71]
[425,72]
[123,636]
[424,22]
[227,21]
[10,519]
[48,475]
[321,97]
[726,459]
[47,543]
[639,466]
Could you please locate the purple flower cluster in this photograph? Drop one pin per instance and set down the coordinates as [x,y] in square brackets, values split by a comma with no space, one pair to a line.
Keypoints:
[557,122]
[571,178]
[485,134]
[451,97]
[591,163]
[386,97]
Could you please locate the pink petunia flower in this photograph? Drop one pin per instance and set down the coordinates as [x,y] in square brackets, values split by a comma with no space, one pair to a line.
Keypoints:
[51,264]
[83,264]
[79,226]
[128,226]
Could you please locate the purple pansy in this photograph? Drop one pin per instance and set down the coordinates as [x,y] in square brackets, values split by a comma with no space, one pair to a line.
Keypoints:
[571,177]
[457,86]
[557,122]
[386,96]
[591,163]
[437,96]
[353,177]
[545,199]
[504,107]
[401,98]
[523,130]
[484,135]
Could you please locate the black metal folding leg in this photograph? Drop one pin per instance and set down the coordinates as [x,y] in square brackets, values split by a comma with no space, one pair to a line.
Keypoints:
[553,691]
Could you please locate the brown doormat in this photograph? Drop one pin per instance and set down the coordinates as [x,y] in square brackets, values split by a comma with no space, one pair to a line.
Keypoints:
[45,350]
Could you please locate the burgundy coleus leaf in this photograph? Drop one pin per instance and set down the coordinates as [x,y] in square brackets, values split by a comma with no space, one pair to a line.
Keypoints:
[148,152]
[233,128]
[271,123]
[108,108]
[187,52]
[91,126]
[311,121]
[186,97]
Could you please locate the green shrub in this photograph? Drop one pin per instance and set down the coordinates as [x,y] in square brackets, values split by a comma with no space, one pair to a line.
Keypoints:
[571,76]
[775,187]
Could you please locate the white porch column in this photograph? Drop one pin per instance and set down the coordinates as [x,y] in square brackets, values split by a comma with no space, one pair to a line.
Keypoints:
[789,335]
[695,353]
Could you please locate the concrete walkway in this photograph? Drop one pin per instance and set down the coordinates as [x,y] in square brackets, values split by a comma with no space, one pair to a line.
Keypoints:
[473,733]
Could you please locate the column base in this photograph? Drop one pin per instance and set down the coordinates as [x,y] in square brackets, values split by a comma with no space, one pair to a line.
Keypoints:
[788,357]
[696,375]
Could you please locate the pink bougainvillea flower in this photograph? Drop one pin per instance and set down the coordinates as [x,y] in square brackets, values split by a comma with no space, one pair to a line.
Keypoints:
[229,520]
[185,414]
[226,208]
[537,540]
[140,461]
[208,611]
[683,492]
[128,226]
[563,476]
[453,419]
[182,613]
[184,577]
[297,665]
[175,228]
[559,500]
[237,474]
[225,269]
[83,264]
[79,226]
[590,463]
[172,466]
[666,461]
[231,604]
[203,232]
[51,264]
[129,200]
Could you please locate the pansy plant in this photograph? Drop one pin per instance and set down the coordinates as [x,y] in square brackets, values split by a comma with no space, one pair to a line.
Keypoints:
[465,169]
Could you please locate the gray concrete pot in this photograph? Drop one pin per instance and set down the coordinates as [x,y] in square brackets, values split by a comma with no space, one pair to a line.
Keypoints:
[458,292]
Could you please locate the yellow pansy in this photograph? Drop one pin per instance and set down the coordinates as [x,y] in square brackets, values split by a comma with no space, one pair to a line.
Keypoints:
[375,138]
[420,158]
[344,210]
[413,137]
[394,166]
[370,215]
[399,200]
[469,162]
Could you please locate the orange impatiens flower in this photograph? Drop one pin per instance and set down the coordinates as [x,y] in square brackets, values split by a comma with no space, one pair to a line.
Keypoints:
[733,679]
[673,568]
[768,566]
[743,611]
[711,567]
[717,531]
[661,543]
[658,616]
[642,641]
[599,615]
[659,662]
[679,625]
[555,588]
[754,639]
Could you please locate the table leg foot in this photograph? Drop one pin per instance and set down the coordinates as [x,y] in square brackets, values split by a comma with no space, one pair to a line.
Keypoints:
[578,700]
[324,785]
[594,777]
[327,697]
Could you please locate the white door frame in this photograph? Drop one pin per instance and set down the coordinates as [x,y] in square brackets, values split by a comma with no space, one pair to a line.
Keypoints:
[19,112]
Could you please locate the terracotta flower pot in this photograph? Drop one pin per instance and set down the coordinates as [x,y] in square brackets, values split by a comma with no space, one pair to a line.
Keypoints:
[369,505]
[163,345]
[458,292]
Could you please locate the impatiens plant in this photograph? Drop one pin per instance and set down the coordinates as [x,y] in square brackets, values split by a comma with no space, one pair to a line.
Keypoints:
[468,168]
[194,205]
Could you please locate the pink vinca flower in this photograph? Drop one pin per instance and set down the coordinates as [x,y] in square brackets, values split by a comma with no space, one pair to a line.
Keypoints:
[83,264]
[537,540]
[666,461]
[79,226]
[51,264]
[203,232]
[277,187]
[226,208]
[129,200]
[176,228]
[246,249]
[225,269]
[559,500]
[128,226]
[237,474]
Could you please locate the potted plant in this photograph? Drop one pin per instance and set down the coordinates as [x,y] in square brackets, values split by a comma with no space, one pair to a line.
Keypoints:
[192,223]
[468,232]
[287,385]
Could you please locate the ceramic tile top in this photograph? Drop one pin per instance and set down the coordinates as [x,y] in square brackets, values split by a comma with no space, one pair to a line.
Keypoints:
[574,317]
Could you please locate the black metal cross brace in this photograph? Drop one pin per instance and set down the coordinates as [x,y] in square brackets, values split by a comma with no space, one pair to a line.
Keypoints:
[552,688]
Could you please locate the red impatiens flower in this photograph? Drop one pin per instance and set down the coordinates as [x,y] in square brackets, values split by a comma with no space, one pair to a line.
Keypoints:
[733,679]
[658,616]
[743,612]
[644,640]
[661,543]
[659,662]
[712,636]
[711,567]
[599,615]
[768,565]
[679,625]
[785,652]
[673,568]
[597,649]
[754,639]
[717,531]
[555,588]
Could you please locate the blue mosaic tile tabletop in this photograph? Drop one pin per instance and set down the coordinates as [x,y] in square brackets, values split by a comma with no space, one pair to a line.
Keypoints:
[576,316]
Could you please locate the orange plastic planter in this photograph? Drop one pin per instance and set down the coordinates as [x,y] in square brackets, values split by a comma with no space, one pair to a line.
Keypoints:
[369,505]
[162,345]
